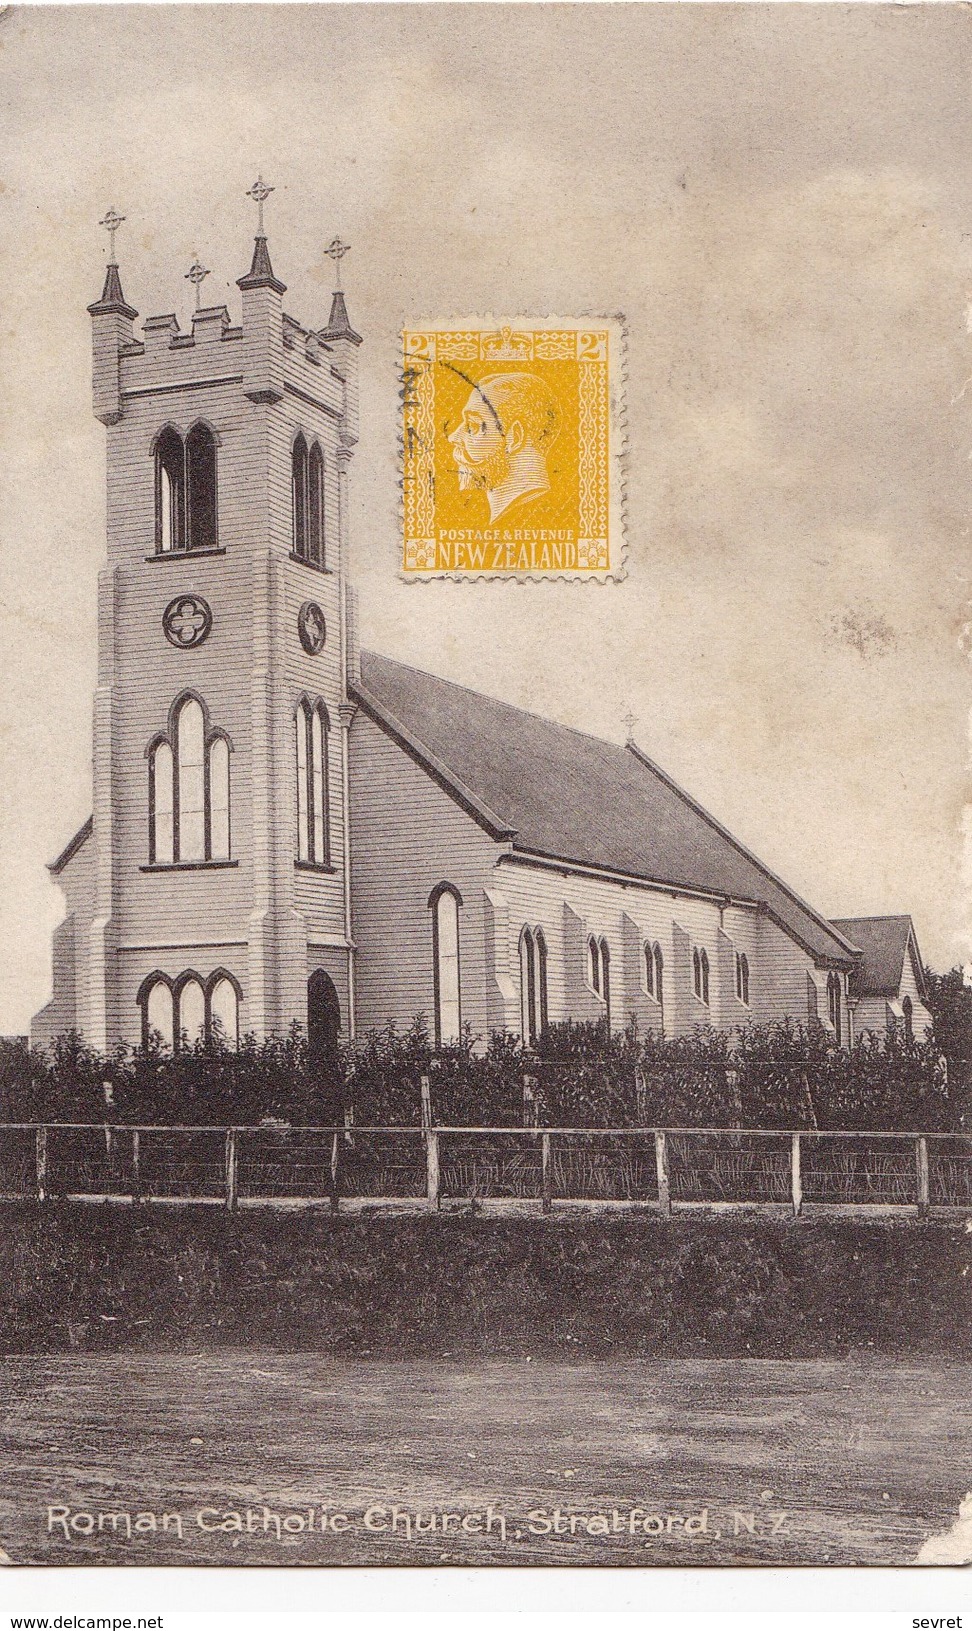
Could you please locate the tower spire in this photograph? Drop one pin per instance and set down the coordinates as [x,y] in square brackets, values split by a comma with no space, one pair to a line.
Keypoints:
[260,274]
[339,324]
[112,298]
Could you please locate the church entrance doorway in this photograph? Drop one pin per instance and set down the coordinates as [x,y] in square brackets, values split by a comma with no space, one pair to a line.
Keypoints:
[323,1019]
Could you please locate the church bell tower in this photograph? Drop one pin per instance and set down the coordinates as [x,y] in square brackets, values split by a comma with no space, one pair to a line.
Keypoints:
[218,893]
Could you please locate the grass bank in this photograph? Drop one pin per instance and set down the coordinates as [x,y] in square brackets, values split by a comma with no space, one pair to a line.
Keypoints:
[110,1278]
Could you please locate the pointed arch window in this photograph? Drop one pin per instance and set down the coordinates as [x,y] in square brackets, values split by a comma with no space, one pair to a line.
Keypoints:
[307,499]
[533,984]
[599,971]
[180,1012]
[311,731]
[298,490]
[908,1012]
[700,975]
[192,1012]
[224,1011]
[201,481]
[189,789]
[170,492]
[444,904]
[185,490]
[157,1014]
[654,972]
[540,944]
[742,977]
[834,1005]
[315,506]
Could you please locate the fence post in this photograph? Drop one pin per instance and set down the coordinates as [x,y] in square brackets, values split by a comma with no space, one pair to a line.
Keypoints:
[40,1153]
[641,1097]
[529,1101]
[661,1167]
[349,1126]
[432,1167]
[426,1087]
[336,1173]
[230,1161]
[796,1180]
[921,1160]
[547,1175]
[136,1171]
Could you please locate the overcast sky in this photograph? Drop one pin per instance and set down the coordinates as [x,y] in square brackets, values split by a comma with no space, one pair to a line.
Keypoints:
[778,200]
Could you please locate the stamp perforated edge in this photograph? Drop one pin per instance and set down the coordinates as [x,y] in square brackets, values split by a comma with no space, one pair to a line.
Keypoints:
[618,456]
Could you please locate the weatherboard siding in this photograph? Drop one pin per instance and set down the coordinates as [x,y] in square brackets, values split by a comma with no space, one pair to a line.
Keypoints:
[409,835]
[628,915]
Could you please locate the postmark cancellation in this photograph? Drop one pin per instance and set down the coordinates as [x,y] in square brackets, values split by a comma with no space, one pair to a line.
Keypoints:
[512,446]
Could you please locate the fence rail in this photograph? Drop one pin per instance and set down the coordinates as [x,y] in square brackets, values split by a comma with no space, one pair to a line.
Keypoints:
[662,1168]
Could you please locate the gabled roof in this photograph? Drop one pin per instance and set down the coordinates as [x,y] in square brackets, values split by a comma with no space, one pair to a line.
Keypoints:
[564,795]
[885,942]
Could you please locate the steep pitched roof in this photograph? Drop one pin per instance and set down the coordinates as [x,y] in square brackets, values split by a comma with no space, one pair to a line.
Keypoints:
[562,794]
[884,942]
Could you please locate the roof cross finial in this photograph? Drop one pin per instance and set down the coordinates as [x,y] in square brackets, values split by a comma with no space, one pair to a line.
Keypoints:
[195,274]
[260,192]
[112,222]
[630,720]
[337,251]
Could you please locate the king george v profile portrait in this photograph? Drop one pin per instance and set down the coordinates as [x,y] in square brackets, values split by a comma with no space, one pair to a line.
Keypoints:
[501,443]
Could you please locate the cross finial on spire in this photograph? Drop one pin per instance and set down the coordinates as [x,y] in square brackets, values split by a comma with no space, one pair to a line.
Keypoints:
[111,223]
[195,274]
[630,720]
[260,192]
[337,251]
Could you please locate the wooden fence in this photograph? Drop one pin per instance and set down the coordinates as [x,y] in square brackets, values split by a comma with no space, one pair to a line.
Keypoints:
[661,1168]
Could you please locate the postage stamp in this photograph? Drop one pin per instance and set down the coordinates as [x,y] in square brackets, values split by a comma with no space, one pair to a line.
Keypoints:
[512,440]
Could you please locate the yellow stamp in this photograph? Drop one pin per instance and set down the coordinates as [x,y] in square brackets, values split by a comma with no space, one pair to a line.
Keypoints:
[511,448]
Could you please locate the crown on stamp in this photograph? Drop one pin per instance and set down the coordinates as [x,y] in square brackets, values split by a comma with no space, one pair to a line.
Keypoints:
[505,346]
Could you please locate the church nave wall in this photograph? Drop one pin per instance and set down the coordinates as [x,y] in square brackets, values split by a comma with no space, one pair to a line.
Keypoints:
[408,836]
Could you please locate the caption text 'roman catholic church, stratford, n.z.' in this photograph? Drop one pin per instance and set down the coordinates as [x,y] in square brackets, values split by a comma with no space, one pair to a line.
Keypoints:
[287,829]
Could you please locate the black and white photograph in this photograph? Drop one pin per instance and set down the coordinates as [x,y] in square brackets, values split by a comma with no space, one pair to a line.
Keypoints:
[485,943]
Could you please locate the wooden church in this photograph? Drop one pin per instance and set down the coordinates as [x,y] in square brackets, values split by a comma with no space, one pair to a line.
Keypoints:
[285,828]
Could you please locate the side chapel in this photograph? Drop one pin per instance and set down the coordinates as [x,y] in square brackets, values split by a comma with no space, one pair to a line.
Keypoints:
[285,828]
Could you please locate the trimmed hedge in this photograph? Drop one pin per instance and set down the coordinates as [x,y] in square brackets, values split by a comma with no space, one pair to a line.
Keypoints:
[113,1278]
[777,1075]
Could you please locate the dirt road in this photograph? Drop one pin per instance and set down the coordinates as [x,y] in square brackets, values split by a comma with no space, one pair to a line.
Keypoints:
[268,1459]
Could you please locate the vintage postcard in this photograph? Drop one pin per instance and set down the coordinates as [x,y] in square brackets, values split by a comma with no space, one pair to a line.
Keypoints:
[486,1072]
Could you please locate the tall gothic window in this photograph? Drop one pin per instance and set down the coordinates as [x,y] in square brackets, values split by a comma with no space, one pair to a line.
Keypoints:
[908,1011]
[599,972]
[315,506]
[201,481]
[298,491]
[307,494]
[700,975]
[742,977]
[188,1009]
[655,972]
[185,490]
[311,727]
[540,945]
[533,984]
[158,1019]
[444,904]
[189,789]
[834,1004]
[170,492]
